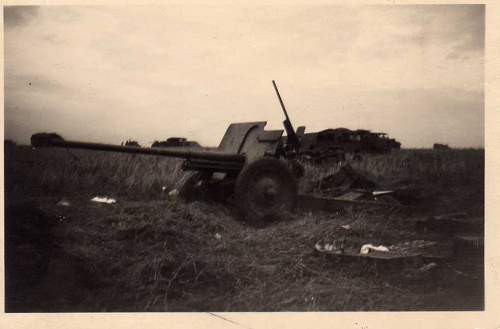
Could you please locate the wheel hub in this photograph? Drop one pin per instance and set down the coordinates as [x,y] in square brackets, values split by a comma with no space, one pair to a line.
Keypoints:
[267,188]
[267,192]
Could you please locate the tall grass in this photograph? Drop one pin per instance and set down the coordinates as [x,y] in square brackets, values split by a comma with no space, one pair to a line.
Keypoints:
[459,167]
[455,167]
[173,256]
[54,171]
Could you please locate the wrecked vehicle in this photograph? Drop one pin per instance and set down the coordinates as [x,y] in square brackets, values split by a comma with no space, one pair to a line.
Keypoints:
[175,142]
[336,143]
[441,147]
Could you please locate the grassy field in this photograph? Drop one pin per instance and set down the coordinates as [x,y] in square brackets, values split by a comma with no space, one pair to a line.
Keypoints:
[150,252]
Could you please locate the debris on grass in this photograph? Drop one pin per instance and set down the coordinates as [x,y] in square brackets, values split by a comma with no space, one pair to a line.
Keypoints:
[347,184]
[99,199]
[351,196]
[366,248]
[346,178]
[421,272]
[424,248]
[379,193]
[427,267]
[413,247]
[64,203]
[173,193]
[403,250]
[337,246]
[61,218]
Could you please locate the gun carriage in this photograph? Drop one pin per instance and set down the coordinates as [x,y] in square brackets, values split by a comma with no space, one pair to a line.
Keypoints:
[252,160]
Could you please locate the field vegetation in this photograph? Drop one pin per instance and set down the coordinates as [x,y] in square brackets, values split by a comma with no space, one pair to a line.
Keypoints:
[153,252]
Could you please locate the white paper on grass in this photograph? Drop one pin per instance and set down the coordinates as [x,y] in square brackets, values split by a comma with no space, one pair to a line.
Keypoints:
[377,193]
[64,203]
[174,192]
[103,200]
[365,249]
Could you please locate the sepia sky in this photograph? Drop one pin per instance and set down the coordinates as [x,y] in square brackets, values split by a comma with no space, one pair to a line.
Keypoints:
[107,74]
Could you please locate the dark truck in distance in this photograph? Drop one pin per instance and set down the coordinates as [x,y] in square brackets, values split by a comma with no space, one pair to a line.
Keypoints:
[175,142]
[441,147]
[335,143]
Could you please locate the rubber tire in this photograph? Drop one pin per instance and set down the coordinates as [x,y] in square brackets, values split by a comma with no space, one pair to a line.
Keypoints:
[245,182]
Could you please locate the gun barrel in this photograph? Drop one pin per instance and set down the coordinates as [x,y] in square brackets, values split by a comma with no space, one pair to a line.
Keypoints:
[293,140]
[53,140]
[281,101]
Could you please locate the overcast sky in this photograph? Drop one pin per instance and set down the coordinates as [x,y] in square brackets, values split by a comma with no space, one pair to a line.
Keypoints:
[107,74]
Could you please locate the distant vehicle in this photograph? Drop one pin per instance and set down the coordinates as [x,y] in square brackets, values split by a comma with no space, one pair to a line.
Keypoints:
[335,143]
[175,142]
[441,147]
[131,143]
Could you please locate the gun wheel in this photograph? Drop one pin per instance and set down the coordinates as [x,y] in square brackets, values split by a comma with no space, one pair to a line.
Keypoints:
[265,189]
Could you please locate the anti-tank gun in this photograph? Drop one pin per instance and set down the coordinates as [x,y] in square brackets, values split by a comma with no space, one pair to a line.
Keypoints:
[250,159]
